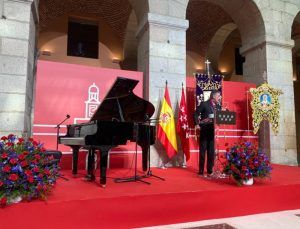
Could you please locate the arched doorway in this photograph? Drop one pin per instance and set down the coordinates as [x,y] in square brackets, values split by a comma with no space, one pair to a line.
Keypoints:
[216,24]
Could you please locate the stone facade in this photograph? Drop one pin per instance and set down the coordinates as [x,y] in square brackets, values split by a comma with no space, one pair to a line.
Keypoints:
[265,29]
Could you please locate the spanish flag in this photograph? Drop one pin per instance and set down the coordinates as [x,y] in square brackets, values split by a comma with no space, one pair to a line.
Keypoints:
[166,128]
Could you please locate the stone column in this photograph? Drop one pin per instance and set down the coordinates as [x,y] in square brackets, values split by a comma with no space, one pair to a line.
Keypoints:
[254,67]
[18,26]
[280,75]
[162,57]
[276,59]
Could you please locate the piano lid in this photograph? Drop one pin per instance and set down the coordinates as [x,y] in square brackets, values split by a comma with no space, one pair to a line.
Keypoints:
[121,104]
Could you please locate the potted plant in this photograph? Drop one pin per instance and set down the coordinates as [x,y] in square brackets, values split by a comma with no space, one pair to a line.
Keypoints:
[244,161]
[26,172]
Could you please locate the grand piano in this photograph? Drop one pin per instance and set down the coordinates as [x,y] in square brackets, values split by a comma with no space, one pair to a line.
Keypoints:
[121,116]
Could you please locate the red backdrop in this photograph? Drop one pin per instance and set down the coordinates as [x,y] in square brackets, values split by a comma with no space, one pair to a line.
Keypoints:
[64,89]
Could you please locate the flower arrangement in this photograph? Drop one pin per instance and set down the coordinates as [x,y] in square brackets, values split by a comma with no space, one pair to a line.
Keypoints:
[26,172]
[244,161]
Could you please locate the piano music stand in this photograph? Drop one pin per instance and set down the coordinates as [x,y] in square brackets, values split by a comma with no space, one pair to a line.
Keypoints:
[134,178]
[221,118]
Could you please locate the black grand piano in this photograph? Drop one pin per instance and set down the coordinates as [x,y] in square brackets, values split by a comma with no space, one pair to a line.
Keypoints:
[121,116]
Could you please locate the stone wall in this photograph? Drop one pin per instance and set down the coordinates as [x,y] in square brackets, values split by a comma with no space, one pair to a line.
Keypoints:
[17,65]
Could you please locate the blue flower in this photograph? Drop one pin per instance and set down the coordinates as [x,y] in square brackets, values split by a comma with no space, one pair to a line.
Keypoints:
[248,144]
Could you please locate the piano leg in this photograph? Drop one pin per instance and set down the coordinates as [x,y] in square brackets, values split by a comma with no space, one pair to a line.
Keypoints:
[145,156]
[75,159]
[91,162]
[103,164]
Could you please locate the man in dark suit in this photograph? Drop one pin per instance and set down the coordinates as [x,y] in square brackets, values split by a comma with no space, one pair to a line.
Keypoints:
[204,119]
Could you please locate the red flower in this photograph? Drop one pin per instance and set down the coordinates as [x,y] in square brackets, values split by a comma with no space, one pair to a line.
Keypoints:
[47,171]
[6,169]
[34,161]
[28,172]
[24,164]
[13,161]
[37,156]
[9,144]
[10,135]
[13,177]
[4,138]
[30,179]
[35,169]
[1,183]
[30,139]
[21,156]
[21,140]
[4,155]
[25,153]
[34,143]
[3,201]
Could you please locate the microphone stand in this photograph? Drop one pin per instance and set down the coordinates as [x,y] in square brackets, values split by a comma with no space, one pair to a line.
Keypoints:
[58,129]
[134,178]
[57,136]
[149,172]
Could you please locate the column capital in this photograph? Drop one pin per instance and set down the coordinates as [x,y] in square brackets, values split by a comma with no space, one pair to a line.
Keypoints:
[161,21]
[259,43]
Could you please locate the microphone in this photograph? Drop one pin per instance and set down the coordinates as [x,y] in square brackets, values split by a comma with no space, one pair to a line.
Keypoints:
[68,116]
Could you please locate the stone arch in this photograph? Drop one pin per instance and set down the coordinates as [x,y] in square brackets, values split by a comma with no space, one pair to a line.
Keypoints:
[130,44]
[250,24]
[141,8]
[295,35]
[217,42]
[246,15]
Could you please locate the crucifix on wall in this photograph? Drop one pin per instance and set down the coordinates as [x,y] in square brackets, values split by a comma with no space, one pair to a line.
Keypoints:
[207,63]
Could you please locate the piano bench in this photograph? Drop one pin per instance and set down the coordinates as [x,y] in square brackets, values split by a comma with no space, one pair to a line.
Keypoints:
[55,153]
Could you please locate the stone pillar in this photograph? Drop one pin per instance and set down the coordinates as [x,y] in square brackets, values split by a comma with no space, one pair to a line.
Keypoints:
[162,57]
[18,26]
[254,67]
[276,59]
[280,75]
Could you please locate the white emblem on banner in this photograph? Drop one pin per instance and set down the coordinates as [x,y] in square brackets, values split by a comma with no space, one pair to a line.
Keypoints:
[91,104]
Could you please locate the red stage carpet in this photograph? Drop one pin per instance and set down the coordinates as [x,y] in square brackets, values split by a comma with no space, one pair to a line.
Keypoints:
[181,198]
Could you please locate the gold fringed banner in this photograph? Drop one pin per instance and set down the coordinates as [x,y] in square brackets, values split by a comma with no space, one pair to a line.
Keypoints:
[265,106]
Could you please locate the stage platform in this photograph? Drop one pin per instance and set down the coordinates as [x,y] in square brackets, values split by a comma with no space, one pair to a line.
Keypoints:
[182,197]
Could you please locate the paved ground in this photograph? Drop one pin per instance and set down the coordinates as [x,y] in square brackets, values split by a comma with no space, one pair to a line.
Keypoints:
[275,220]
